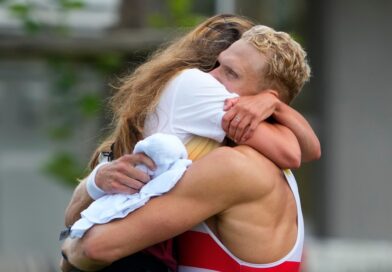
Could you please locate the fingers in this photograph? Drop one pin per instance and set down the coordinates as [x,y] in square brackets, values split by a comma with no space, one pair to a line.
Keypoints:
[233,127]
[121,175]
[249,130]
[246,135]
[128,163]
[132,172]
[238,126]
[227,119]
[126,185]
[229,103]
[126,171]
[244,123]
[139,158]
[118,182]
[126,167]
[241,121]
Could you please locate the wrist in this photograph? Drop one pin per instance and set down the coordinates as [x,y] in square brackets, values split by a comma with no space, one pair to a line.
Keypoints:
[93,189]
[278,107]
[273,97]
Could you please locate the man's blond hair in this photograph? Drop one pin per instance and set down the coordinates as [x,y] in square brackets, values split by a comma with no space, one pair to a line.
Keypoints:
[287,68]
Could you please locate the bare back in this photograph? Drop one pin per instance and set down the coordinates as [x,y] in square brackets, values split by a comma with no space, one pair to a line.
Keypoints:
[262,229]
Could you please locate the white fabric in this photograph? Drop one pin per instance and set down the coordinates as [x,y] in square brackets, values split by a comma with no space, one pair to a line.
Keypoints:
[170,157]
[191,104]
[296,253]
[92,189]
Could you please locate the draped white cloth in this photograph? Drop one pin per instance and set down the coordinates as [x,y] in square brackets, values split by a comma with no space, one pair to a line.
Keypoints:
[170,157]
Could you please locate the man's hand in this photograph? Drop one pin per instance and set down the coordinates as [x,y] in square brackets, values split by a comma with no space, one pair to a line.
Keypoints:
[76,259]
[65,266]
[245,113]
[121,176]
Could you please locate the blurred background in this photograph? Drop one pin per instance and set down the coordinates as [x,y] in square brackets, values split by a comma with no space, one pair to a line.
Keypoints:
[59,58]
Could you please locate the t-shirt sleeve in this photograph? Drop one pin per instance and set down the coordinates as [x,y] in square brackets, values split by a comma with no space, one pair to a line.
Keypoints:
[198,105]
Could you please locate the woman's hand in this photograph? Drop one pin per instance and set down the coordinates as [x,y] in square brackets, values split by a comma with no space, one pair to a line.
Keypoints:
[121,176]
[245,113]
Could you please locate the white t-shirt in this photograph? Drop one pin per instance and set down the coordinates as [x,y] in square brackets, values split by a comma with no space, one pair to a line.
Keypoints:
[191,104]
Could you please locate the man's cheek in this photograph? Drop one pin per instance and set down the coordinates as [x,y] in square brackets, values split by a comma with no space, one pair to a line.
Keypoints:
[231,88]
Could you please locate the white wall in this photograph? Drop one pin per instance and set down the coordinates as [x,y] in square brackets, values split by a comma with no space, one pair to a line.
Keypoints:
[95,15]
[32,204]
[358,95]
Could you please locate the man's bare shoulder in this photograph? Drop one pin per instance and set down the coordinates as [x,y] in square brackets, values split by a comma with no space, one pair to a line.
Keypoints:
[263,171]
[255,156]
[238,153]
[244,169]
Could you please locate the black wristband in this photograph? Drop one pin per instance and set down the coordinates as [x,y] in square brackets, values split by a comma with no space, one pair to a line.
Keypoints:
[65,233]
[64,256]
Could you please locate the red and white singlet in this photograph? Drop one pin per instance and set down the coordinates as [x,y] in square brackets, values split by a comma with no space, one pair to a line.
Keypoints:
[201,251]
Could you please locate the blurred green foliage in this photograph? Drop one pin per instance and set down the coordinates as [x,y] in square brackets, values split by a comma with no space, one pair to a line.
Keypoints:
[180,15]
[70,104]
[64,167]
[71,4]
[71,107]
[90,104]
[107,63]
[24,11]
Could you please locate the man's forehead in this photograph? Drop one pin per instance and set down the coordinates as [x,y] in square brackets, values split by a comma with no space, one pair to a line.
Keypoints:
[245,55]
[235,48]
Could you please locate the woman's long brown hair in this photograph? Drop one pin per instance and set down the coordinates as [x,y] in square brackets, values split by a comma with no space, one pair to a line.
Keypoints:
[139,93]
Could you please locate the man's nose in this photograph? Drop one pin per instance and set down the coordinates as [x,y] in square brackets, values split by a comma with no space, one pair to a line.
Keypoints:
[215,73]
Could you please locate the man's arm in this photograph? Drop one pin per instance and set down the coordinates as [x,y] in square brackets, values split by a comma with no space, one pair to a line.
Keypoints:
[211,185]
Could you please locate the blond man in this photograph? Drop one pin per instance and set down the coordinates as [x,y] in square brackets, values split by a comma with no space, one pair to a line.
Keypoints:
[235,209]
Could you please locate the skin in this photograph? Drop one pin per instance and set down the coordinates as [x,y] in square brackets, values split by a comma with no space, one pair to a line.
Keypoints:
[255,106]
[227,188]
[242,76]
[247,109]
[230,184]
[248,106]
[238,74]
[119,176]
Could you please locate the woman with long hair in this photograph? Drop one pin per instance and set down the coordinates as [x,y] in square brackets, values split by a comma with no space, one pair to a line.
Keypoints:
[139,95]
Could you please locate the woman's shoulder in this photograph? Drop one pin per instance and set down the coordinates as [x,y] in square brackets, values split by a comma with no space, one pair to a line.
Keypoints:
[193,72]
[195,77]
[194,85]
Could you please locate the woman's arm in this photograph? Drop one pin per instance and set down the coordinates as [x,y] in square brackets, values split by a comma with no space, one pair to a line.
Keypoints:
[308,141]
[80,200]
[253,109]
[278,143]
[197,108]
[245,123]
